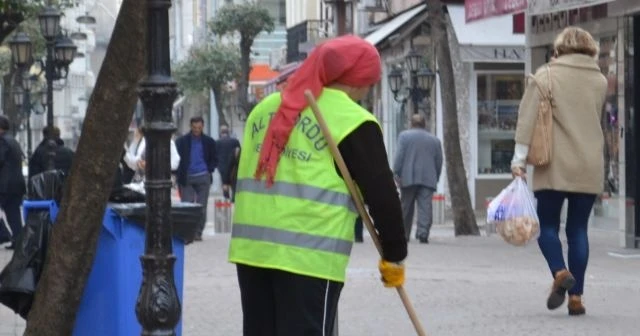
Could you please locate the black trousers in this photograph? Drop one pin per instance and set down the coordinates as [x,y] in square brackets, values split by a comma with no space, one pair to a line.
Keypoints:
[359,227]
[278,303]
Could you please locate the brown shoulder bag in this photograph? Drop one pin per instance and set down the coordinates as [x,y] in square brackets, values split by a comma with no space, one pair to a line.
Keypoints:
[541,146]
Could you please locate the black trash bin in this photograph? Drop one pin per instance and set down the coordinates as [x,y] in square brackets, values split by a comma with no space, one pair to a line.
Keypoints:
[184,216]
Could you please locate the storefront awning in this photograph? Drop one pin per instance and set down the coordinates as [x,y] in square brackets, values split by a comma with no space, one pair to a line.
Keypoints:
[381,33]
[285,72]
[488,40]
[392,25]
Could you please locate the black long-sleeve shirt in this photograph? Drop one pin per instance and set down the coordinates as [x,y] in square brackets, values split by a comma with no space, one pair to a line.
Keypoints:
[364,154]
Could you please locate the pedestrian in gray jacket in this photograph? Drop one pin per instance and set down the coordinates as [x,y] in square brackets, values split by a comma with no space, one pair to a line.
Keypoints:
[417,167]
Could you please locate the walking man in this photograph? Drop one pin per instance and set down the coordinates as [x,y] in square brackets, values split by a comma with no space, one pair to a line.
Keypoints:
[226,147]
[63,158]
[198,160]
[12,184]
[417,168]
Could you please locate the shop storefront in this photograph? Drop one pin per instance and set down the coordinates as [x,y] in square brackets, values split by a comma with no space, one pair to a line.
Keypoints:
[612,24]
[495,61]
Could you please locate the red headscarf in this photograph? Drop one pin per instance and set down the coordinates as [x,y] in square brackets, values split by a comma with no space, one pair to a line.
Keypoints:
[347,60]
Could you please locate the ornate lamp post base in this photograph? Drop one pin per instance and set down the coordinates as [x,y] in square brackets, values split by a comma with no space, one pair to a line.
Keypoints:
[158,308]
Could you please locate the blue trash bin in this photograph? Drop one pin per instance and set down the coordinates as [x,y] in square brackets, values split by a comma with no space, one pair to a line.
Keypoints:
[109,300]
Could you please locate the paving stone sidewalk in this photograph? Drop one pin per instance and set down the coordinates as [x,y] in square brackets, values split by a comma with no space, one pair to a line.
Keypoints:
[459,286]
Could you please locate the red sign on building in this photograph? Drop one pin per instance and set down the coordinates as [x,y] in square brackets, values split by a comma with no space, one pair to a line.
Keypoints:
[482,9]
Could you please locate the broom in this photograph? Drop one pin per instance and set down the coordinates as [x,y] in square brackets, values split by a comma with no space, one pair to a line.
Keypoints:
[359,203]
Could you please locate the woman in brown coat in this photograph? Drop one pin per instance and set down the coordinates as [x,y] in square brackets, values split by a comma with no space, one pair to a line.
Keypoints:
[576,169]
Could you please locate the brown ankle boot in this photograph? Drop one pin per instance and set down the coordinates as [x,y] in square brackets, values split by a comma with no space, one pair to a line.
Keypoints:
[575,305]
[561,284]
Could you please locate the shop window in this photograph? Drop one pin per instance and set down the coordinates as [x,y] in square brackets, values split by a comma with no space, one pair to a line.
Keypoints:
[498,99]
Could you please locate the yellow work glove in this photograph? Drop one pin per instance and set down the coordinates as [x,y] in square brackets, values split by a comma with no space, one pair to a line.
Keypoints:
[392,273]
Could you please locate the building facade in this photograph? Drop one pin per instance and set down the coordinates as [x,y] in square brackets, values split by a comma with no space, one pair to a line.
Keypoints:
[612,24]
[490,70]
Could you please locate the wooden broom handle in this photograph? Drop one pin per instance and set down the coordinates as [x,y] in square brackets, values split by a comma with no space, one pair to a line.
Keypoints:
[359,203]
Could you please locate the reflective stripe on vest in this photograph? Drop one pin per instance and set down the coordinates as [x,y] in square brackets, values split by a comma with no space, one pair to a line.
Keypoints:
[297,239]
[297,190]
[304,222]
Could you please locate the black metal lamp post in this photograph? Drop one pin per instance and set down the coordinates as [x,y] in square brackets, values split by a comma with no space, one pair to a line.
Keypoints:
[158,308]
[49,20]
[420,83]
[22,100]
[18,95]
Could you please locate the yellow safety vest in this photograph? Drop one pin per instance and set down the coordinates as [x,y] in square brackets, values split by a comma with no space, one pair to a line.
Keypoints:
[304,223]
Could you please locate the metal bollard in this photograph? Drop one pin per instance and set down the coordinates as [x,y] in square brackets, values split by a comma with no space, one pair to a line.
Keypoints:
[438,205]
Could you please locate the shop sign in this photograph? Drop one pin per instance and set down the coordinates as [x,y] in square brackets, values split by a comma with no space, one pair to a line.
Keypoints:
[552,22]
[537,7]
[492,54]
[481,9]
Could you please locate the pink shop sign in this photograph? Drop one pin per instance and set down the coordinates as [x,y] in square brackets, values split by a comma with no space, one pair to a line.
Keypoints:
[482,9]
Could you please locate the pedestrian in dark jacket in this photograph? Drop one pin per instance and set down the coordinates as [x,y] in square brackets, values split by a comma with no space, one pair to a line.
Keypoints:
[226,147]
[12,184]
[39,161]
[232,173]
[198,160]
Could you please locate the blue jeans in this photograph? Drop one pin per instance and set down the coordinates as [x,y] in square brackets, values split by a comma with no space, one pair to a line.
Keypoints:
[549,208]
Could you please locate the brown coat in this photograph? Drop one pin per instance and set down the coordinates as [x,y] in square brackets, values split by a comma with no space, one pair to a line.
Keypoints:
[579,90]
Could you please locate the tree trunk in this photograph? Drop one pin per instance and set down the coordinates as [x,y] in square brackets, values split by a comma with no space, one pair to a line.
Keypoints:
[222,119]
[75,234]
[245,65]
[464,218]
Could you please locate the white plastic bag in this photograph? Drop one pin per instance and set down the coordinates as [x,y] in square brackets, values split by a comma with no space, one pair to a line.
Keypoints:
[514,214]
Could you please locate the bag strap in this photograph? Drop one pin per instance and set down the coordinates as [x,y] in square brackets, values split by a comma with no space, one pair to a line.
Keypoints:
[548,95]
[550,84]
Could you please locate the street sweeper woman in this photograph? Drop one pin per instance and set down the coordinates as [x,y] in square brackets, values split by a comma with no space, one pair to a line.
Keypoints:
[293,224]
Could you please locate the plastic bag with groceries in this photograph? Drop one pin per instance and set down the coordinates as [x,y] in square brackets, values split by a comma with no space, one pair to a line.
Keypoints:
[514,214]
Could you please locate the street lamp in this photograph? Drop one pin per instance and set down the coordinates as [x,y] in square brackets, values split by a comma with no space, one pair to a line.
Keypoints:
[18,96]
[65,51]
[158,307]
[86,19]
[60,53]
[414,60]
[21,49]
[49,20]
[421,80]
[27,81]
[79,35]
